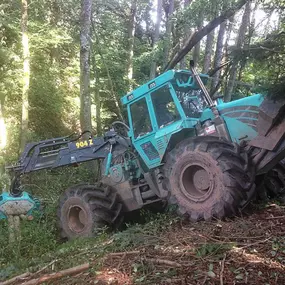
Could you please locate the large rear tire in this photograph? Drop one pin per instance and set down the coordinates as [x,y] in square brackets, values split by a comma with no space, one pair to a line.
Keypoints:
[272,184]
[207,178]
[84,209]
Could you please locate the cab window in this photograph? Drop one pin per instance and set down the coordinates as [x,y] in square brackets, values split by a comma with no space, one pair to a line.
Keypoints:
[140,118]
[164,107]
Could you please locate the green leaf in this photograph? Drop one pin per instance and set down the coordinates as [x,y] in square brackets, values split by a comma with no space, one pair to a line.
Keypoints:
[239,276]
[211,274]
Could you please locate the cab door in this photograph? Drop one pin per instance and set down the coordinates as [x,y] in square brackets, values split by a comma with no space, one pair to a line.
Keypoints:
[142,130]
[153,119]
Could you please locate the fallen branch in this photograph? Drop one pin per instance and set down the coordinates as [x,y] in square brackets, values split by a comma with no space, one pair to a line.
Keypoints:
[162,262]
[124,253]
[222,270]
[255,243]
[273,218]
[16,278]
[57,275]
[45,267]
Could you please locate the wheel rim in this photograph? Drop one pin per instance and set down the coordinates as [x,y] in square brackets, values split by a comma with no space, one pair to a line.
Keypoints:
[77,218]
[195,182]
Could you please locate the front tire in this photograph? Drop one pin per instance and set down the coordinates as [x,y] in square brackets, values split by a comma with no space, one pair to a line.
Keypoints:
[207,178]
[84,209]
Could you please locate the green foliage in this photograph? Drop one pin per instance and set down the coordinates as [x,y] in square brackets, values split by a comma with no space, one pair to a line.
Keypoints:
[209,249]
[54,32]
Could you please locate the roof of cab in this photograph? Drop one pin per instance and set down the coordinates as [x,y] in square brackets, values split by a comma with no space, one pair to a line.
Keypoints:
[152,84]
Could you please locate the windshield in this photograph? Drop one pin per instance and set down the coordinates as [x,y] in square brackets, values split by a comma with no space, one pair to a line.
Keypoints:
[164,107]
[192,101]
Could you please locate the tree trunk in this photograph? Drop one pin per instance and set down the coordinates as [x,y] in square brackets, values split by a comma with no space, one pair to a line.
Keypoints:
[208,52]
[239,44]
[118,111]
[267,26]
[131,40]
[155,38]
[167,41]
[218,56]
[3,130]
[198,35]
[229,30]
[187,34]
[98,106]
[97,93]
[85,99]
[251,28]
[197,47]
[26,76]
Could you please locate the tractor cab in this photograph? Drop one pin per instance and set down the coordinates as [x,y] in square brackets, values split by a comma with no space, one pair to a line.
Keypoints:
[156,110]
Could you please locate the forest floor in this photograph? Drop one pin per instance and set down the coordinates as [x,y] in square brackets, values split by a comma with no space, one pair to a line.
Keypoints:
[245,250]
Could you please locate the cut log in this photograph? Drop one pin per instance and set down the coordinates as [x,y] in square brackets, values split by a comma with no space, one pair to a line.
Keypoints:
[58,275]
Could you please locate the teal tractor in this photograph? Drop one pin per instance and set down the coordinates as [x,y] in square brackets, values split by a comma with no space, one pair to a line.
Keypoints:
[180,147]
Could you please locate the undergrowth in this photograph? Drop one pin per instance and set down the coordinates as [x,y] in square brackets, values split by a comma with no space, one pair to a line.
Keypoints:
[40,243]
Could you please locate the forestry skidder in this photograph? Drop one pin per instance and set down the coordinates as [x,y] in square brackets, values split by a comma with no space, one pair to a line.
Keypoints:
[180,146]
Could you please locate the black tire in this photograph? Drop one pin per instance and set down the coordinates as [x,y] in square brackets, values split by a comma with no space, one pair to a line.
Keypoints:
[272,184]
[207,178]
[83,209]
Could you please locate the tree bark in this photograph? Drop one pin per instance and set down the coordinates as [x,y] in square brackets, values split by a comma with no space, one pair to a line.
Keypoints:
[98,105]
[3,130]
[197,47]
[26,76]
[208,52]
[97,94]
[229,30]
[198,35]
[251,28]
[85,99]
[131,40]
[58,275]
[187,34]
[167,41]
[155,38]
[239,44]
[118,111]
[218,55]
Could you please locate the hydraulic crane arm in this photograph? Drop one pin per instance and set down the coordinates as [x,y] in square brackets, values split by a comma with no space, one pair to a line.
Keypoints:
[64,151]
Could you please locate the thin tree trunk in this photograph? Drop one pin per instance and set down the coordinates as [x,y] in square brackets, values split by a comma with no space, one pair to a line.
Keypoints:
[155,38]
[251,28]
[197,47]
[98,106]
[218,56]
[26,76]
[85,99]
[112,91]
[167,40]
[187,33]
[131,40]
[97,93]
[3,130]
[118,111]
[239,44]
[229,30]
[208,52]
[267,26]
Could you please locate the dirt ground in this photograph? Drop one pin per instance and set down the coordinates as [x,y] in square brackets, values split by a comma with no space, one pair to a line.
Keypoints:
[245,250]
